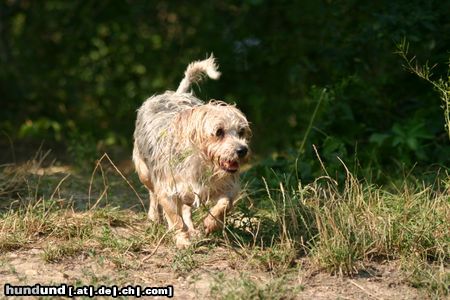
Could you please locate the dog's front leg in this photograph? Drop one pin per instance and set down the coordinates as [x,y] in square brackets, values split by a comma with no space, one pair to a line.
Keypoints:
[173,210]
[154,211]
[216,216]
[187,218]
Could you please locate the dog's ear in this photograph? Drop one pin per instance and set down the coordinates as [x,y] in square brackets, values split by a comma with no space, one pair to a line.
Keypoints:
[188,124]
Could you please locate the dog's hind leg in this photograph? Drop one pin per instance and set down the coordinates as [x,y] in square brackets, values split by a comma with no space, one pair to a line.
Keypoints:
[155,210]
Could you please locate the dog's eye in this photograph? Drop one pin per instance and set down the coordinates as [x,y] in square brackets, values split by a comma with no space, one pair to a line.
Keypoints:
[220,132]
[241,132]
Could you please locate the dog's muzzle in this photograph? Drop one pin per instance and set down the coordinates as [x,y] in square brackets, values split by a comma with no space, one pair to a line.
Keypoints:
[230,166]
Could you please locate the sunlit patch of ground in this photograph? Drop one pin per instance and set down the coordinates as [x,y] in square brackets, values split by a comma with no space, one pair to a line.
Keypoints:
[60,226]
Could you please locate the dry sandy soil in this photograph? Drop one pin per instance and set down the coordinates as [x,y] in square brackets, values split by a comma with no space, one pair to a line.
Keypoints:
[380,281]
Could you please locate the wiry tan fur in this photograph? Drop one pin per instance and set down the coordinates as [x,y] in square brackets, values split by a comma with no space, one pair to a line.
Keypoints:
[187,152]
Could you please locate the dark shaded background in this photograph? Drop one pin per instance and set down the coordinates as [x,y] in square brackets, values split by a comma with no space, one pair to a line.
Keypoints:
[73,73]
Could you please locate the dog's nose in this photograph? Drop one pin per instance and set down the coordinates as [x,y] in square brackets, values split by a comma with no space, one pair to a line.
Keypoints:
[241,151]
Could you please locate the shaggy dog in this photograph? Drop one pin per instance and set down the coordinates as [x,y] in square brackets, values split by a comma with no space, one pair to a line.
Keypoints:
[188,152]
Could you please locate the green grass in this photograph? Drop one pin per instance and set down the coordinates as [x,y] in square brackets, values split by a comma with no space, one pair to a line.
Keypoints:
[433,277]
[184,261]
[65,233]
[339,227]
[342,227]
[59,251]
[244,287]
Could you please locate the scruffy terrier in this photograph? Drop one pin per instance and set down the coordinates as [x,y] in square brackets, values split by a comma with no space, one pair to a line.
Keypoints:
[188,152]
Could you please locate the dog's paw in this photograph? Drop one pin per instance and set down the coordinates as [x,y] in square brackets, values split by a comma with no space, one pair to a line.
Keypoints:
[194,233]
[182,240]
[211,224]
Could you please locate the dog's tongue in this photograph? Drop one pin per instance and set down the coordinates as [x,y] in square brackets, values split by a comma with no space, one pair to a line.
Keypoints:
[233,165]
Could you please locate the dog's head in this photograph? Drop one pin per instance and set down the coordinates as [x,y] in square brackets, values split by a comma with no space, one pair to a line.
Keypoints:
[221,133]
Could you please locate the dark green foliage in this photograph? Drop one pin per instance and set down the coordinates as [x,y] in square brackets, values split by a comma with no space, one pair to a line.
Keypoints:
[73,70]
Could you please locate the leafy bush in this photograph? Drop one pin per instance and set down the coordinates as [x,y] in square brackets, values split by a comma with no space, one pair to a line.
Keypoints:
[71,69]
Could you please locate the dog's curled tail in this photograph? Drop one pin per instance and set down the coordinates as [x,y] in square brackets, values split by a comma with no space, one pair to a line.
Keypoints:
[196,71]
